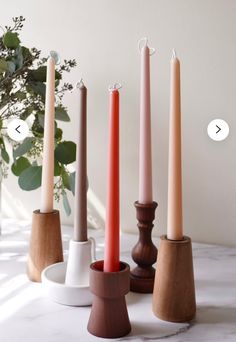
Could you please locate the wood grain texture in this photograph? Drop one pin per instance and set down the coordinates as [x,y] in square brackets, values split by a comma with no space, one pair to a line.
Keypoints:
[144,252]
[109,316]
[174,291]
[45,246]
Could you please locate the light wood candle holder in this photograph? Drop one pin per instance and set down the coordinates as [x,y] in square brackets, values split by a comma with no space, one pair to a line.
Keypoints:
[45,246]
[174,292]
[144,252]
[109,316]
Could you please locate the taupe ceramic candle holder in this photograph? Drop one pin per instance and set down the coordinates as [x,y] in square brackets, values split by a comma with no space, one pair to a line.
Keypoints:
[144,252]
[174,292]
[109,316]
[45,246]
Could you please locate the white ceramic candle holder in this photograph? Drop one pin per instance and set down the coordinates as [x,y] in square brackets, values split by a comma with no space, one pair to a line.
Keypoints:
[67,283]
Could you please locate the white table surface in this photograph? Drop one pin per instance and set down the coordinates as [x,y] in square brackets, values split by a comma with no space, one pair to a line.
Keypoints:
[26,314]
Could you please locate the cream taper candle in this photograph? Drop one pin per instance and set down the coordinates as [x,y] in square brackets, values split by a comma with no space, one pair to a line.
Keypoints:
[174,216]
[48,141]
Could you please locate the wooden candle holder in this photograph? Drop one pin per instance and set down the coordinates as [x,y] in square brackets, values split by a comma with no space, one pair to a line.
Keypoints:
[109,316]
[174,292]
[45,246]
[144,252]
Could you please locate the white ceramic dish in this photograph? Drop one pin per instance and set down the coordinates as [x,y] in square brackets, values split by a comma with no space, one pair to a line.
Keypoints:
[53,280]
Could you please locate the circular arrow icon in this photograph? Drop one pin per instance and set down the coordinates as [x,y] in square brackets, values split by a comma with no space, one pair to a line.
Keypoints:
[17,129]
[218,130]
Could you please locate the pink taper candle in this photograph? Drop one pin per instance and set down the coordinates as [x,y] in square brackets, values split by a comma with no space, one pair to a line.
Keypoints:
[112,230]
[145,145]
[174,218]
[48,141]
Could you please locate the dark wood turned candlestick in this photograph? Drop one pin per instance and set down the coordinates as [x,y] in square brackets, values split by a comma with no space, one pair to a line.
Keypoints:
[144,252]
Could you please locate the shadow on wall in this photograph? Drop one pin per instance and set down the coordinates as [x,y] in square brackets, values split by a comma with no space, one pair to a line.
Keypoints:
[13,207]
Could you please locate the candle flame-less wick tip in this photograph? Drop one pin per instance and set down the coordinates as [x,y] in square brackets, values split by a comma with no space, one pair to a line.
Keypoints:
[55,55]
[143,42]
[115,86]
[174,55]
[80,84]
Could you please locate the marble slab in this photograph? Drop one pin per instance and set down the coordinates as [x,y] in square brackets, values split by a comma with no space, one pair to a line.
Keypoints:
[26,314]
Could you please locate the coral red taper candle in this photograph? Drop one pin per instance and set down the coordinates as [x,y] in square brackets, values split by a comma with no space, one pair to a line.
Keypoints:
[112,229]
[174,217]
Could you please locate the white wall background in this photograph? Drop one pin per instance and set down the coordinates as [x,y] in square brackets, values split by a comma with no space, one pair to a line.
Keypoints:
[102,36]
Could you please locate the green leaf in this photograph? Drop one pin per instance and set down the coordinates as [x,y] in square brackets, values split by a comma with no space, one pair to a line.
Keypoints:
[11,40]
[65,152]
[20,95]
[26,53]
[5,155]
[37,88]
[23,148]
[72,182]
[11,67]
[19,59]
[20,165]
[57,168]
[58,134]
[40,74]
[26,113]
[66,204]
[30,178]
[66,180]
[3,65]
[61,114]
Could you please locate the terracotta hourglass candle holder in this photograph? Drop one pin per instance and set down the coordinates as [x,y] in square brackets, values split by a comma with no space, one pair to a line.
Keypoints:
[45,246]
[174,291]
[144,252]
[109,316]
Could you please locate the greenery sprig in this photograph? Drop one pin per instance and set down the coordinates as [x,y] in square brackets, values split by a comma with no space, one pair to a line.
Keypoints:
[22,95]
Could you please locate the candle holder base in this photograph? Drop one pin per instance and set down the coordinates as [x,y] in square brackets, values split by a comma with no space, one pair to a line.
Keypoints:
[109,316]
[45,246]
[144,252]
[68,283]
[174,292]
[81,255]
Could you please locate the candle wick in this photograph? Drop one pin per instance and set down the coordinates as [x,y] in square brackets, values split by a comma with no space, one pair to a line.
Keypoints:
[79,84]
[174,55]
[143,42]
[115,86]
[55,55]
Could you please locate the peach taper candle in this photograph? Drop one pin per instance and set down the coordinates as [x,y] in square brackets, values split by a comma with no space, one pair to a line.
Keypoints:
[174,217]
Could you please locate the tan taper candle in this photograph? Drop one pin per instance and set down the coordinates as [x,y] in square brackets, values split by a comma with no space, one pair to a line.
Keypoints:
[80,224]
[174,216]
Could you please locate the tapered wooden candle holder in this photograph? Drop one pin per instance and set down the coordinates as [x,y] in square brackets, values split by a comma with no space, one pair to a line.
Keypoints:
[45,243]
[144,252]
[109,316]
[174,292]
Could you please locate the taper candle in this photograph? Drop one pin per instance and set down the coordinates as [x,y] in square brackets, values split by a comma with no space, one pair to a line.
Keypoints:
[174,217]
[80,221]
[48,141]
[145,145]
[112,229]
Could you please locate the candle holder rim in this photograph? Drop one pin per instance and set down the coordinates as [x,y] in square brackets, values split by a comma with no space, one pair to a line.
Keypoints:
[62,285]
[152,204]
[101,262]
[38,212]
[185,239]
